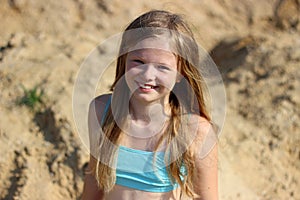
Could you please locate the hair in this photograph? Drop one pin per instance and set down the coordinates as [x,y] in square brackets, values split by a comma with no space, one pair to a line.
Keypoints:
[189,98]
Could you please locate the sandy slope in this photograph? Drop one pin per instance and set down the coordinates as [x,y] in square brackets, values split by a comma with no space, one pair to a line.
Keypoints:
[255,43]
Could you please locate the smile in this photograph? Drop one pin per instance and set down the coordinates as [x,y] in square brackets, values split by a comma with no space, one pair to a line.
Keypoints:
[147,86]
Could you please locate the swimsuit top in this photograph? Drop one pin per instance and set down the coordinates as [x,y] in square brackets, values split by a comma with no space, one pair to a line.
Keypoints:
[143,170]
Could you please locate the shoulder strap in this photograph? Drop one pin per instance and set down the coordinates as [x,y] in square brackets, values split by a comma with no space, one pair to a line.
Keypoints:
[105,110]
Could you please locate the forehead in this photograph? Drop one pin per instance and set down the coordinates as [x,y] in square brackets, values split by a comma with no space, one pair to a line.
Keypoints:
[154,49]
[158,43]
[154,56]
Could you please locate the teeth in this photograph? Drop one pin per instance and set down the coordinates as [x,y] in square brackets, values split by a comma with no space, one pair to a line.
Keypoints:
[147,86]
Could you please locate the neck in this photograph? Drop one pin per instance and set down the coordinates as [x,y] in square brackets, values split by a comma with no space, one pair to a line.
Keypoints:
[145,112]
[146,119]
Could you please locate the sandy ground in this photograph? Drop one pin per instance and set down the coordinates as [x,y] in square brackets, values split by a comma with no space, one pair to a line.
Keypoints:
[256,45]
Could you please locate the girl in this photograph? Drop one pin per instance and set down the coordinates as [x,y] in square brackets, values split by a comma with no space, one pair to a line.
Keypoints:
[153,125]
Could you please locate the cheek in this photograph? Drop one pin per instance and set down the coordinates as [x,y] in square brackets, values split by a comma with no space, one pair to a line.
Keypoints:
[130,76]
[131,72]
[168,81]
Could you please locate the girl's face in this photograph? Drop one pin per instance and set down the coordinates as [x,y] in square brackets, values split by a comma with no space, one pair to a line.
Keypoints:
[151,70]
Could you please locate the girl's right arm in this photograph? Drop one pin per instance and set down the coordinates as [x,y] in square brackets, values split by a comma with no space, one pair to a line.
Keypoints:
[91,190]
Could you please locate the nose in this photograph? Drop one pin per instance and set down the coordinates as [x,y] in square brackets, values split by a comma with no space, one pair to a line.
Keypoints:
[149,72]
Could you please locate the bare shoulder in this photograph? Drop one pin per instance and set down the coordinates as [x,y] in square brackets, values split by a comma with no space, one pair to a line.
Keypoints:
[201,125]
[103,97]
[205,138]
[97,105]
[101,100]
[204,125]
[95,114]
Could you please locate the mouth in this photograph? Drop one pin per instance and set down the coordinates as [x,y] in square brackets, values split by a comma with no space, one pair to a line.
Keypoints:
[147,86]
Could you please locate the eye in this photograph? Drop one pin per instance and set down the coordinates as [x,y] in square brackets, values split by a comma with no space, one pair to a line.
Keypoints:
[163,67]
[138,61]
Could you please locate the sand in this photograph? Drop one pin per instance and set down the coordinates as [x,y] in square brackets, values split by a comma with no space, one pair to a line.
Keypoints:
[255,44]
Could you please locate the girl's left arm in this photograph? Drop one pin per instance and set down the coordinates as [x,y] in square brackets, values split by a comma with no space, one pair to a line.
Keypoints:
[205,180]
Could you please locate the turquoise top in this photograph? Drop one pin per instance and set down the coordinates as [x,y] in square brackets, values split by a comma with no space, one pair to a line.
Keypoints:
[143,170]
[136,169]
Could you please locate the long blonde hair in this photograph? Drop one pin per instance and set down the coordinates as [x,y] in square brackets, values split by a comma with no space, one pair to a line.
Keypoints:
[189,92]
